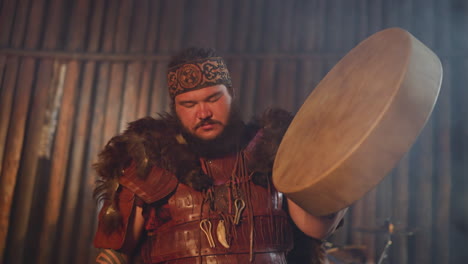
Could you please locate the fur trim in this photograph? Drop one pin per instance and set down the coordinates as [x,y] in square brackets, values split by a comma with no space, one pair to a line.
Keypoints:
[274,123]
[149,142]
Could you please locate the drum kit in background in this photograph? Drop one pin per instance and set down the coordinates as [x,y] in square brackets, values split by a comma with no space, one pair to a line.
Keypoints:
[358,254]
[356,125]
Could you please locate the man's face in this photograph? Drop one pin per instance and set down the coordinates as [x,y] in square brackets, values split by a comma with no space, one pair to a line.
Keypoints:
[205,112]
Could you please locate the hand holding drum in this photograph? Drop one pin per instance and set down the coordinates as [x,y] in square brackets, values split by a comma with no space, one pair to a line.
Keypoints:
[358,122]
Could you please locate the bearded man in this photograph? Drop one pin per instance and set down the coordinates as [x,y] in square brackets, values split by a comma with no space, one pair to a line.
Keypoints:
[195,186]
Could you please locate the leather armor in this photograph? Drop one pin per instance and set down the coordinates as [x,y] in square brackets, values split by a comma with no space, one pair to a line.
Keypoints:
[175,235]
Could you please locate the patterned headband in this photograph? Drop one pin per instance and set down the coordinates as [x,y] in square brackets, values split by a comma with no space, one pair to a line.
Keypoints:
[197,74]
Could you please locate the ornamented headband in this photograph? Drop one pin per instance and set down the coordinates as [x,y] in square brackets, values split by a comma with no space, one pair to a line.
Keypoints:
[197,74]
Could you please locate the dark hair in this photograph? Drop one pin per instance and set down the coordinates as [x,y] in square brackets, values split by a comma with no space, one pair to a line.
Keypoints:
[190,54]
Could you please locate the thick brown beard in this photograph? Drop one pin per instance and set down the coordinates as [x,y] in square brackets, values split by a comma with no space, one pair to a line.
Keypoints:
[231,139]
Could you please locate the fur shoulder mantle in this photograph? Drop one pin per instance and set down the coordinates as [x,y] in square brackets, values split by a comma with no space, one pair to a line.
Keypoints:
[150,142]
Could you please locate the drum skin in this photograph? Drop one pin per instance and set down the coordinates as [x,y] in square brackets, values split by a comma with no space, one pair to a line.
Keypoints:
[358,122]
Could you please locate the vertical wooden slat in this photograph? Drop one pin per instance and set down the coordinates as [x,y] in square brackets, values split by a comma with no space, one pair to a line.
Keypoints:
[423,23]
[114,96]
[240,27]
[153,32]
[400,211]
[334,32]
[404,8]
[17,123]
[150,46]
[265,85]
[19,235]
[75,42]
[33,147]
[59,159]
[82,10]
[357,221]
[134,69]
[160,101]
[255,27]
[459,157]
[19,27]
[310,74]
[7,15]
[53,32]
[88,214]
[201,27]
[375,16]
[249,87]
[235,69]
[442,29]
[424,173]
[14,144]
[314,23]
[271,24]
[6,101]
[286,17]
[443,180]
[224,25]
[349,24]
[287,85]
[369,219]
[75,170]
[118,73]
[145,90]
[422,184]
[105,14]
[171,26]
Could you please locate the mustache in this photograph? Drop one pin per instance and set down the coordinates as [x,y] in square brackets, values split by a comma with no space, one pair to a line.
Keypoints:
[207,122]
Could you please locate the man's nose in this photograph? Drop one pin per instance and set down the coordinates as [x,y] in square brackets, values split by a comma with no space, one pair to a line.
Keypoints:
[204,112]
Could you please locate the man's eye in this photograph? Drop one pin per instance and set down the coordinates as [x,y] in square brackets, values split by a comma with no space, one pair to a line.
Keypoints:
[188,105]
[214,99]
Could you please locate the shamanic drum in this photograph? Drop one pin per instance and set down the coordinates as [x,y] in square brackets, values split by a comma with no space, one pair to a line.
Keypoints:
[358,122]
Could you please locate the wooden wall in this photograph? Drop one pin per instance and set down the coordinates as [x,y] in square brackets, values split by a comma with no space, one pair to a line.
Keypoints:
[73,73]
